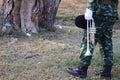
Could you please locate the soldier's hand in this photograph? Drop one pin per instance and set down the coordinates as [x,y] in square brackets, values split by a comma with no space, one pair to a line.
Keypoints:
[88,14]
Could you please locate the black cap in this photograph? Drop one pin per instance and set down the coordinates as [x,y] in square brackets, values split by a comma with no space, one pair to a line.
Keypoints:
[80,22]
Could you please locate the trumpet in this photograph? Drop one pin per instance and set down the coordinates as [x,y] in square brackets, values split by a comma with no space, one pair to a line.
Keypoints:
[91,30]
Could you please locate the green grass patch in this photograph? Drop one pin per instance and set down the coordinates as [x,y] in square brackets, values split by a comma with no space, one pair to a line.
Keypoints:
[65,17]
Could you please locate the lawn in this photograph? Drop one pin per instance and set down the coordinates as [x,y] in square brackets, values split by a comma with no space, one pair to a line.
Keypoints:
[47,56]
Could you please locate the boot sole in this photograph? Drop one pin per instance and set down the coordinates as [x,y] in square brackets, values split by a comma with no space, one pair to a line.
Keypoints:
[72,72]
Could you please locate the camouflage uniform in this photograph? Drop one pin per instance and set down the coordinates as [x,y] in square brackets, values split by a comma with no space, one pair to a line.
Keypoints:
[105,15]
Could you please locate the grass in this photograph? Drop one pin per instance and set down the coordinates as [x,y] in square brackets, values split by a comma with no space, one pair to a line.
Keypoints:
[50,63]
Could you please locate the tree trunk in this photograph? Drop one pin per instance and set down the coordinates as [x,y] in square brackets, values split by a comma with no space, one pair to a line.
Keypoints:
[28,15]
[47,18]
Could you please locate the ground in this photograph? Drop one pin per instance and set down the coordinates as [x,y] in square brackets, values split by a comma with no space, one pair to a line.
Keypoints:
[46,56]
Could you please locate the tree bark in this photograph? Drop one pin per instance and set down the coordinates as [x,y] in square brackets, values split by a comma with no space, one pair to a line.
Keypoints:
[47,18]
[29,15]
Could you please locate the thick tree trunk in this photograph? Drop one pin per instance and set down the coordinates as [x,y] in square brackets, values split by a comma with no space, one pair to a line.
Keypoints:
[6,12]
[26,12]
[29,15]
[47,18]
[16,14]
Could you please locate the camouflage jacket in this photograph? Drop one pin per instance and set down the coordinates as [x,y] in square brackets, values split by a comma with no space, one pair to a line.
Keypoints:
[104,9]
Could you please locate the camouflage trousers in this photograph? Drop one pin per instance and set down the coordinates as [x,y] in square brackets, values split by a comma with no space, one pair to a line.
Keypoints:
[103,36]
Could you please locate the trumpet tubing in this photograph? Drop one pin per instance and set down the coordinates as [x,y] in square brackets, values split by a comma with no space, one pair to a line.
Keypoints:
[91,30]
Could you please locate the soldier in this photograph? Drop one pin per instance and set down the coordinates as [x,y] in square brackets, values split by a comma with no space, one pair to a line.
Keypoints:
[104,13]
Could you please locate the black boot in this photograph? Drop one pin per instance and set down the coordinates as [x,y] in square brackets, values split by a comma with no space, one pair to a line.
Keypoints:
[78,72]
[106,71]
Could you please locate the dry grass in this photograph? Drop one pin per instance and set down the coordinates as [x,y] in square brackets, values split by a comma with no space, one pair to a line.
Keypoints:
[1,2]
[46,57]
[35,59]
[71,8]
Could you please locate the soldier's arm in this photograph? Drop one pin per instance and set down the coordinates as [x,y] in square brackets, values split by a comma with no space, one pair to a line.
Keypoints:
[116,1]
[89,10]
[92,5]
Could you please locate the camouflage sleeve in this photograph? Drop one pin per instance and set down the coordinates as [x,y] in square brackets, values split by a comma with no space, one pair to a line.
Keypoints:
[92,4]
[116,2]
